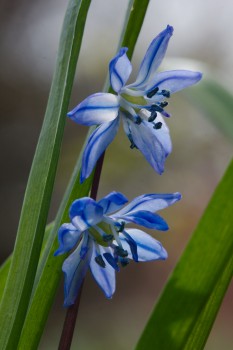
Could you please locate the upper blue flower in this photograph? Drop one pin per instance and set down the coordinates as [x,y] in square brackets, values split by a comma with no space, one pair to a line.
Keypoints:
[141,105]
[98,230]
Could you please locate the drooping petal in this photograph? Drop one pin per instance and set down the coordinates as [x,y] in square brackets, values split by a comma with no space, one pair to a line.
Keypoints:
[153,58]
[68,237]
[146,219]
[150,202]
[85,212]
[75,268]
[104,276]
[96,109]
[148,248]
[155,144]
[112,202]
[96,145]
[119,69]
[173,81]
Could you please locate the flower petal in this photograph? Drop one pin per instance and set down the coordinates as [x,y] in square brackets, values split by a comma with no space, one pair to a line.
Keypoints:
[150,202]
[85,212]
[148,248]
[96,145]
[153,58]
[119,69]
[112,202]
[75,268]
[104,276]
[146,219]
[173,81]
[96,109]
[155,144]
[68,237]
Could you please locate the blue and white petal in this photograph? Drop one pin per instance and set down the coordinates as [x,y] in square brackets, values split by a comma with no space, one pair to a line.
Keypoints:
[145,218]
[96,109]
[112,202]
[150,202]
[104,276]
[68,237]
[154,144]
[85,212]
[153,58]
[96,145]
[75,268]
[119,70]
[148,248]
[173,81]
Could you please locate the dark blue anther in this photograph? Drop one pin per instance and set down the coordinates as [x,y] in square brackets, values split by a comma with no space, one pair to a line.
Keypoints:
[121,252]
[163,104]
[120,226]
[124,262]
[100,261]
[166,93]
[152,92]
[152,116]
[107,238]
[157,125]
[138,120]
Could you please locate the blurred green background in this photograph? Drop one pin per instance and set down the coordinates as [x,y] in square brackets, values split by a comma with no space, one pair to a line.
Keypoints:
[201,151]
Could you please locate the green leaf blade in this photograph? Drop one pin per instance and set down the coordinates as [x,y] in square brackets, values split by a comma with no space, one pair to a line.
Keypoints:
[196,287]
[40,185]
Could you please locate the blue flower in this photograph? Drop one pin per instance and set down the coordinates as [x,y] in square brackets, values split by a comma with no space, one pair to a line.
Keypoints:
[141,105]
[100,241]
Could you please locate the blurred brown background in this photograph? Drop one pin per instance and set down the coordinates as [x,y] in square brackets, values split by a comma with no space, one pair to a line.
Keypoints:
[29,39]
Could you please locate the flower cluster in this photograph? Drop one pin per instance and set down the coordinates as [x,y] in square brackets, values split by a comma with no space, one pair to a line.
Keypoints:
[97,236]
[102,240]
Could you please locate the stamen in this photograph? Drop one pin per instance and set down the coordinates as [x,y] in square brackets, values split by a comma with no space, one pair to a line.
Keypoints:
[156,108]
[121,252]
[124,262]
[100,261]
[152,92]
[163,104]
[157,125]
[120,226]
[166,93]
[138,120]
[152,116]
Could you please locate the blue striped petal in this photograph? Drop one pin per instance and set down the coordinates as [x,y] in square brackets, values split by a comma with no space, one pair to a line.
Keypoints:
[84,213]
[146,219]
[75,268]
[155,144]
[104,276]
[68,237]
[173,81]
[96,109]
[96,145]
[148,248]
[153,58]
[119,69]
[150,202]
[112,202]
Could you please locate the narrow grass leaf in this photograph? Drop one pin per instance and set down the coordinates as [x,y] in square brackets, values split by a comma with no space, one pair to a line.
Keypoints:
[193,293]
[40,184]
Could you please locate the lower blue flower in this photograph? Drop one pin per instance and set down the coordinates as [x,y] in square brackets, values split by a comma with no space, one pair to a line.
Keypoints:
[100,241]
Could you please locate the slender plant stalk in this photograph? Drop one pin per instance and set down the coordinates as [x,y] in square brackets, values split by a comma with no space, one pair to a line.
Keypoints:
[72,312]
[128,38]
